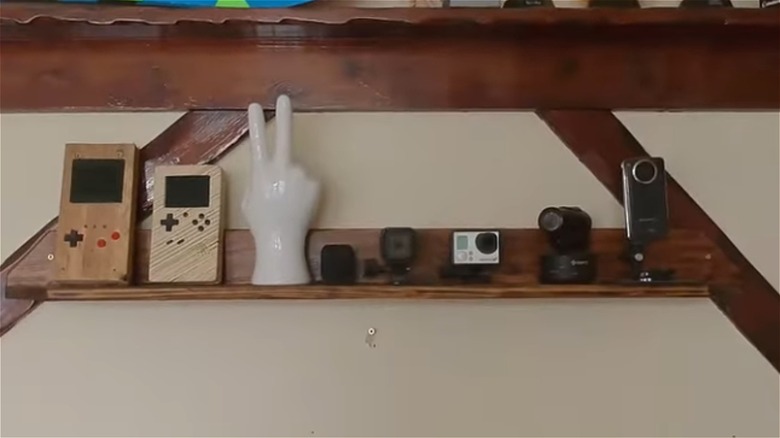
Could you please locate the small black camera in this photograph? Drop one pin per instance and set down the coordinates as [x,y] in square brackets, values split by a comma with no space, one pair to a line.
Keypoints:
[646,213]
[338,264]
[568,231]
[568,228]
[645,199]
[398,246]
[399,249]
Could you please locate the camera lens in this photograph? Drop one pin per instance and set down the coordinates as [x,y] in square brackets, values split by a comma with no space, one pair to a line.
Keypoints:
[567,228]
[645,171]
[550,219]
[487,243]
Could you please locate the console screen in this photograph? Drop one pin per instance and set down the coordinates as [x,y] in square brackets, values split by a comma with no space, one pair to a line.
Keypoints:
[96,181]
[187,191]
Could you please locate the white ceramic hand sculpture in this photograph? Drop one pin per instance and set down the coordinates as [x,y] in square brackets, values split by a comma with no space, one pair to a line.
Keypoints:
[279,202]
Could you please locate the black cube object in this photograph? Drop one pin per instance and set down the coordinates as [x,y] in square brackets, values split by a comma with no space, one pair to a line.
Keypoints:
[338,264]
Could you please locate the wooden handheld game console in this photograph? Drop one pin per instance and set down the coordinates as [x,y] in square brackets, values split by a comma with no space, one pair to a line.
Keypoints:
[95,232]
[187,227]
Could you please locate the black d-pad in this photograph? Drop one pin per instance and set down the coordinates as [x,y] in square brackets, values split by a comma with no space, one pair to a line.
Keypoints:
[73,238]
[169,222]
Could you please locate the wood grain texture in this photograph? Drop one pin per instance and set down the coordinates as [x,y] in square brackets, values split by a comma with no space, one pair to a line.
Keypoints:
[186,242]
[322,292]
[324,13]
[685,251]
[694,257]
[196,138]
[388,59]
[601,142]
[95,239]
[13,310]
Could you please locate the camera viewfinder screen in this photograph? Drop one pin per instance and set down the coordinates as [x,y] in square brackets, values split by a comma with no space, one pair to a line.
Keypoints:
[96,181]
[462,243]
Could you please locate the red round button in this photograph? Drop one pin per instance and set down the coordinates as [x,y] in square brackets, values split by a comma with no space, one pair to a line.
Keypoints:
[101,243]
[115,235]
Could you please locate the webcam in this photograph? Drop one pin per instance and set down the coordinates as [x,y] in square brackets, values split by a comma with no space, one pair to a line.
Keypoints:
[568,232]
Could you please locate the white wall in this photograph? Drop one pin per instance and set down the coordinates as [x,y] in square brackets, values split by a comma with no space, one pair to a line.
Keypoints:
[656,367]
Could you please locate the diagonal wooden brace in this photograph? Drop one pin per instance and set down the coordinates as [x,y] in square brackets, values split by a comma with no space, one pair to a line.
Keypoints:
[198,137]
[601,142]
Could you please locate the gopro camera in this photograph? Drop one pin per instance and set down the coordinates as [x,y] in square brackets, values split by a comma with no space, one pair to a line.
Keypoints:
[476,247]
[399,248]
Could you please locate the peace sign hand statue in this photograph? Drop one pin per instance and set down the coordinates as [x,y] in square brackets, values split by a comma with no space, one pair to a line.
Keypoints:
[279,202]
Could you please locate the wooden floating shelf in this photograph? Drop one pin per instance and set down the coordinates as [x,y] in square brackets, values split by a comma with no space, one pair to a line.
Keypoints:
[323,292]
[695,259]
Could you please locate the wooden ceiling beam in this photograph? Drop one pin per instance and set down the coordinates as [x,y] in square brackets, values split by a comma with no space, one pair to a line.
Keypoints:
[601,142]
[327,15]
[196,138]
[103,58]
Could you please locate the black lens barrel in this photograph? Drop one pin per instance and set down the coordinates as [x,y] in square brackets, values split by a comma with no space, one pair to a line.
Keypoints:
[568,228]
